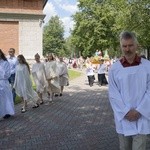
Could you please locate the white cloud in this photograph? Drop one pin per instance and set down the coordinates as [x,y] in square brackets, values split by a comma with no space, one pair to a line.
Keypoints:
[58,1]
[65,5]
[69,7]
[58,7]
[50,11]
[68,25]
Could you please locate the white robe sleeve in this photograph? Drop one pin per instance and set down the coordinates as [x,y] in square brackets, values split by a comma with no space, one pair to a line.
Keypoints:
[63,71]
[118,106]
[5,72]
[55,70]
[34,73]
[2,73]
[47,70]
[144,106]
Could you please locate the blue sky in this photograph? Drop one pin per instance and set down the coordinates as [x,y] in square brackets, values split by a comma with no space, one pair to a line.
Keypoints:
[64,9]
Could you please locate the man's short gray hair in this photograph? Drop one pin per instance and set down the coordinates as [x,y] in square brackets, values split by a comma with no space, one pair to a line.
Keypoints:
[128,35]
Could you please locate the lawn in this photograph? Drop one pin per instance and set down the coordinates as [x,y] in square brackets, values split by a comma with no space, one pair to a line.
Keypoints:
[72,75]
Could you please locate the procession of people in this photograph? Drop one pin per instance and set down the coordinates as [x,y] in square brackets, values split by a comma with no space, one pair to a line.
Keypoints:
[128,96]
[49,76]
[16,79]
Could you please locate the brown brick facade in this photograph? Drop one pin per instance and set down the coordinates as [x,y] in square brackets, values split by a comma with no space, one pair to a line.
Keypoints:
[9,35]
[16,18]
[21,6]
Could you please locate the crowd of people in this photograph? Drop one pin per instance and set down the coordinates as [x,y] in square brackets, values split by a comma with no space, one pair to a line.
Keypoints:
[101,69]
[91,69]
[129,87]
[49,77]
[129,91]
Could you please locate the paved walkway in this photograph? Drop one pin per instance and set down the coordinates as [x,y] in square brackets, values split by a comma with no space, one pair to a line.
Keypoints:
[79,120]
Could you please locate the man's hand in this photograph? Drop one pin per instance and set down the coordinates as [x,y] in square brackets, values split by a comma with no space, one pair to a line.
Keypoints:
[132,115]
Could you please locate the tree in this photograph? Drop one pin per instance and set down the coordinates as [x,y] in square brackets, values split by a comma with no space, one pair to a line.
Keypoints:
[94,25]
[53,40]
[69,47]
[134,15]
[99,22]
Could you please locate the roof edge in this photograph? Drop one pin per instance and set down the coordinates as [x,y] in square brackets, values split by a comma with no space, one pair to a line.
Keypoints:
[45,1]
[4,16]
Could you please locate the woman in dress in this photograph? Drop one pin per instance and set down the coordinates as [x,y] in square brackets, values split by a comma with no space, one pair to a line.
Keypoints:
[38,74]
[6,97]
[63,75]
[23,84]
[52,76]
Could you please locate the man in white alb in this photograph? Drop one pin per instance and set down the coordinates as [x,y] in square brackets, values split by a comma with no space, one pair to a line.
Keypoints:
[129,95]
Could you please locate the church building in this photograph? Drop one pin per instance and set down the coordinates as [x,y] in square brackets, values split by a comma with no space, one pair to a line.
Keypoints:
[21,26]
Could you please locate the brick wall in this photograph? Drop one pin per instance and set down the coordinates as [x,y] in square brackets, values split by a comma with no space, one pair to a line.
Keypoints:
[9,35]
[21,6]
[22,32]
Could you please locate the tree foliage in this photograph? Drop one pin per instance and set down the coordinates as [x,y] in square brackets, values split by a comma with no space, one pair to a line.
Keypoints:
[99,22]
[69,47]
[53,37]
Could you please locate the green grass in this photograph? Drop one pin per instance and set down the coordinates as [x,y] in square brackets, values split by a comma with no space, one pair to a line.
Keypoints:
[72,75]
[17,100]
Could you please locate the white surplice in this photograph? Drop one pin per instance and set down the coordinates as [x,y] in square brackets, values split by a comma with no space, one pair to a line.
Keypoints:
[38,74]
[52,71]
[129,87]
[23,84]
[6,97]
[63,74]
